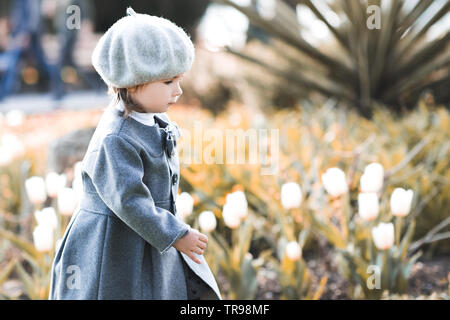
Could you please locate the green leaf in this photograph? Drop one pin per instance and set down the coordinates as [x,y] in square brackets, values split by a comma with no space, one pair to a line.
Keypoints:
[28,282]
[404,244]
[4,274]
[20,242]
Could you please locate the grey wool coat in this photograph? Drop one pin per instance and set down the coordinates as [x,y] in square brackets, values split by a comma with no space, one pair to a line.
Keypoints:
[118,244]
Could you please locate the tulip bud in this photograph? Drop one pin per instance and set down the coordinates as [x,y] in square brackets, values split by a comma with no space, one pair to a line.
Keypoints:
[43,237]
[54,182]
[35,187]
[5,156]
[259,121]
[401,202]
[334,182]
[67,201]
[383,235]
[291,195]
[293,250]
[185,204]
[266,9]
[230,215]
[368,207]
[372,179]
[239,202]
[13,145]
[46,216]
[15,117]
[207,221]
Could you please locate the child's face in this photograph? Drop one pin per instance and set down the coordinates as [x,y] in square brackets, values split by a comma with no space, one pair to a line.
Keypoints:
[157,96]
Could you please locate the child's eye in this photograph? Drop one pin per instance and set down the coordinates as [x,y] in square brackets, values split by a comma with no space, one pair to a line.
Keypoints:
[168,82]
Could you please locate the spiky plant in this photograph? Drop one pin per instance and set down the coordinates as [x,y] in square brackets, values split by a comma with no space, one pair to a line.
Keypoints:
[390,65]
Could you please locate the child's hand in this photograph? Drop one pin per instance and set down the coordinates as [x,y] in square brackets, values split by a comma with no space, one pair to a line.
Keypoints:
[192,242]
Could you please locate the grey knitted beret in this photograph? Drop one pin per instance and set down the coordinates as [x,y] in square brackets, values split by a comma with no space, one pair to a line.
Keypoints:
[141,48]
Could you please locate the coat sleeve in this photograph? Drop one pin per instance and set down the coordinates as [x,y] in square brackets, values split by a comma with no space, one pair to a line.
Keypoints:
[116,170]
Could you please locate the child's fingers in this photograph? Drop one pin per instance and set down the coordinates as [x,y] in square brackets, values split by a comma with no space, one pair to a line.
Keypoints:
[201,245]
[198,251]
[203,238]
[193,257]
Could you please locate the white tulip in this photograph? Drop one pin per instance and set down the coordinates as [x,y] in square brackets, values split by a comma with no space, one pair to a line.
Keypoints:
[207,221]
[54,182]
[334,182]
[401,202]
[368,206]
[15,117]
[35,187]
[46,216]
[383,235]
[266,9]
[43,237]
[243,3]
[293,250]
[185,204]
[259,121]
[67,201]
[372,179]
[230,216]
[13,145]
[239,203]
[291,195]
[6,156]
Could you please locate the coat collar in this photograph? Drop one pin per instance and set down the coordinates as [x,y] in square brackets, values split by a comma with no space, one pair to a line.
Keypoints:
[162,123]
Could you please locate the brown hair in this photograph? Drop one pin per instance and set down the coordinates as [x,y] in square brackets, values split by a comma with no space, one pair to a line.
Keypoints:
[123,94]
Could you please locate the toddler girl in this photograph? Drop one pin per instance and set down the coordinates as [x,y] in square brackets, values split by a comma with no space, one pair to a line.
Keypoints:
[126,239]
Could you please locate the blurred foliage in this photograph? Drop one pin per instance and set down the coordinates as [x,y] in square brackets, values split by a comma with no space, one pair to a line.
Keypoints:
[37,282]
[239,266]
[412,149]
[186,14]
[295,277]
[311,140]
[391,64]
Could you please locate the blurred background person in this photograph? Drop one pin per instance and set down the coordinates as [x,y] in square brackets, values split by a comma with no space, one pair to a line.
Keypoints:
[68,36]
[25,41]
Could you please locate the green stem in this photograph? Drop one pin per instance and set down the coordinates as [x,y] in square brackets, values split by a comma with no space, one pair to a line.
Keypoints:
[385,271]
[398,229]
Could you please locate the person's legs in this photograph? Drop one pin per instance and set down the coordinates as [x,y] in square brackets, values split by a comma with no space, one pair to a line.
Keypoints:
[51,70]
[9,77]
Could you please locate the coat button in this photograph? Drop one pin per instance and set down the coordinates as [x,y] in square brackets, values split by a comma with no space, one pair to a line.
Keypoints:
[174,179]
